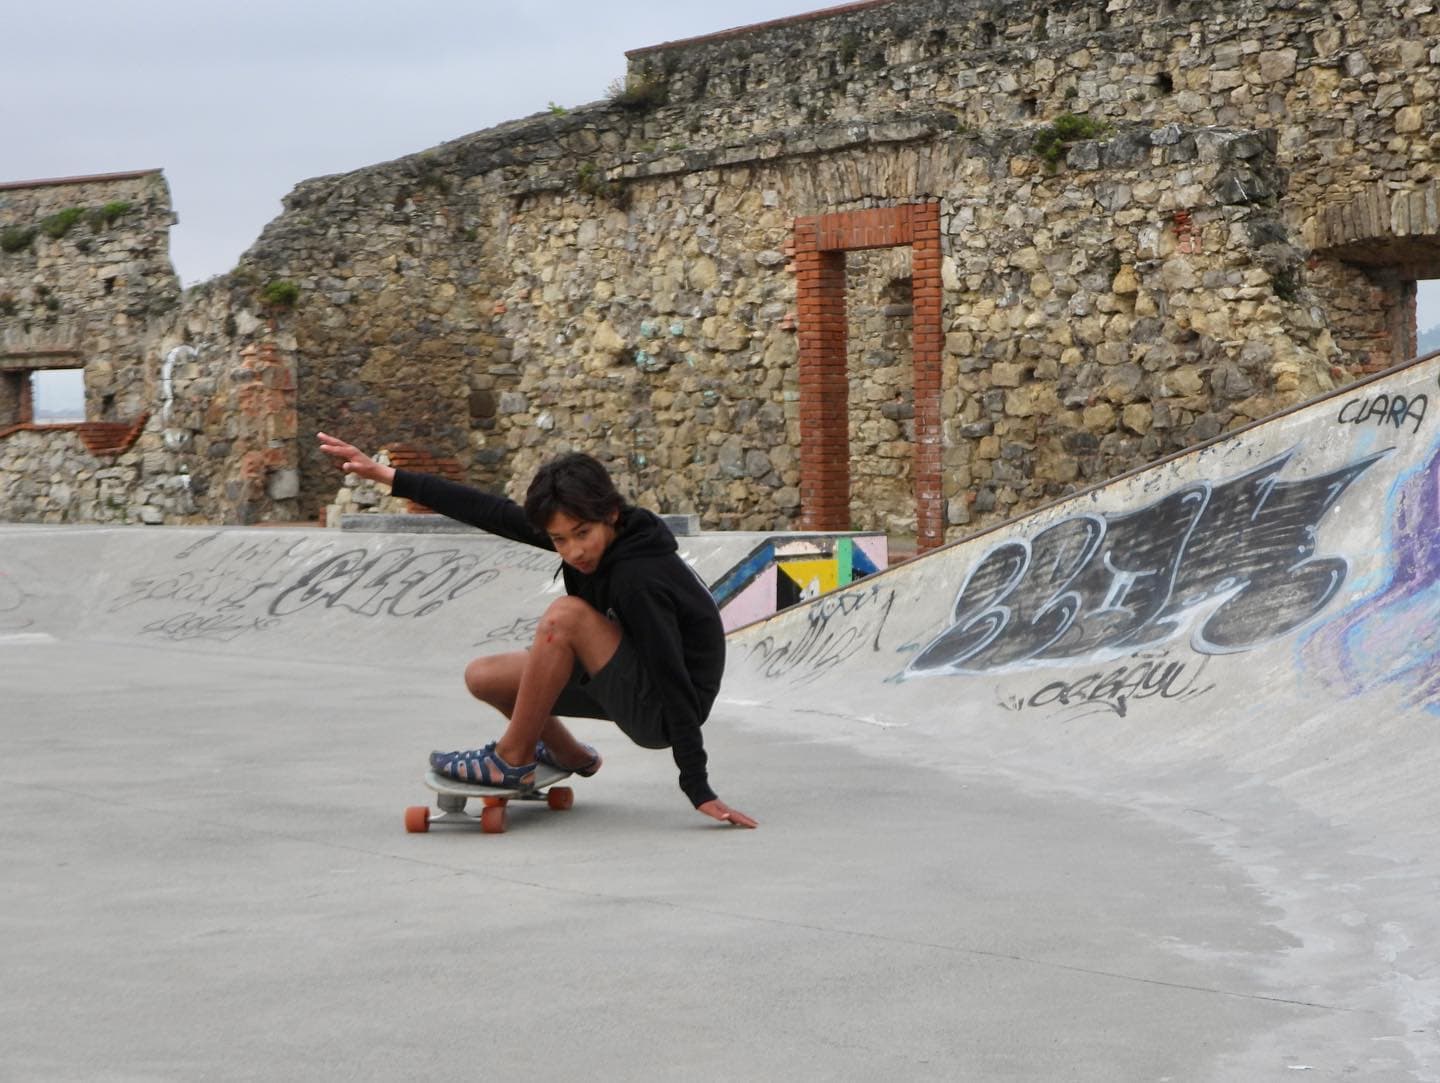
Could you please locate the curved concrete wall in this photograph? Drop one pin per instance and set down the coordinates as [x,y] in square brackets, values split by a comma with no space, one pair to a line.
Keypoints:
[1243,642]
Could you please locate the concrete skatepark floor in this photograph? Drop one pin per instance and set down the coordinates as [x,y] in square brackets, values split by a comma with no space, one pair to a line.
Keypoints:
[1141,787]
[209,879]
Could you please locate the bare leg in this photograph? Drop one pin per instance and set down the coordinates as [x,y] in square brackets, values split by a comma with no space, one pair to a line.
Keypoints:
[524,685]
[570,631]
[495,679]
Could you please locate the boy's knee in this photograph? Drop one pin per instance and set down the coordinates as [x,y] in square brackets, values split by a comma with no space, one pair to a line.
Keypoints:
[565,615]
[480,678]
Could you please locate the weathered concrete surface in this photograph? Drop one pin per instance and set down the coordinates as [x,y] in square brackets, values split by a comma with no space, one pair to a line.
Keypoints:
[279,591]
[1240,645]
[986,852]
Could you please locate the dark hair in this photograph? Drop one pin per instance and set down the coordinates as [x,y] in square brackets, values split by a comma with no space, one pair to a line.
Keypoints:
[575,484]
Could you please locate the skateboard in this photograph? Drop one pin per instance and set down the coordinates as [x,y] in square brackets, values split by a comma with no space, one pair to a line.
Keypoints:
[494,814]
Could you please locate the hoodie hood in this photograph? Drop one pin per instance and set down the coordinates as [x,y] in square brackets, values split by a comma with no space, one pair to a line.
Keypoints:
[640,533]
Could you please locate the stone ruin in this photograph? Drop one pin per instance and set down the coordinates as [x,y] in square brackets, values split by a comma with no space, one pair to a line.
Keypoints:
[906,265]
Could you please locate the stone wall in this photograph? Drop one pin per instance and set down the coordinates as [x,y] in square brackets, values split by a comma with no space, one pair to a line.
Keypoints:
[1157,222]
[84,271]
[189,403]
[1346,91]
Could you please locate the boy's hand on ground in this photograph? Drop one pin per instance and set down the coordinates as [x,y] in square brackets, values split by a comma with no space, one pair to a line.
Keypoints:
[354,461]
[721,811]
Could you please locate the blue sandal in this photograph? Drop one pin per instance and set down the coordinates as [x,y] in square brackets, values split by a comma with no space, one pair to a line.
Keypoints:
[482,767]
[542,755]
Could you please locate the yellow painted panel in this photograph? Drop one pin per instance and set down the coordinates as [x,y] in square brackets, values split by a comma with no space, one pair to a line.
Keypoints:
[813,577]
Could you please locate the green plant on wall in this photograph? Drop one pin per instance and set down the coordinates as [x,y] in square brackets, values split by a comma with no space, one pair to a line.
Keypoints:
[99,218]
[280,293]
[16,238]
[591,181]
[60,223]
[639,92]
[1053,141]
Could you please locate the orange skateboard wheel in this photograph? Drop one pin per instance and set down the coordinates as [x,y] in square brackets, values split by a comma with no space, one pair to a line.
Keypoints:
[560,798]
[417,819]
[492,819]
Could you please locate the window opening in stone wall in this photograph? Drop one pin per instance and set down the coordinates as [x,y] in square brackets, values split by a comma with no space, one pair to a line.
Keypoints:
[58,395]
[880,324]
[1427,316]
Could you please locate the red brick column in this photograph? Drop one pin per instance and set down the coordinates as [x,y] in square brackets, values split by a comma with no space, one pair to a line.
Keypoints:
[824,383]
[820,244]
[926,358]
[25,410]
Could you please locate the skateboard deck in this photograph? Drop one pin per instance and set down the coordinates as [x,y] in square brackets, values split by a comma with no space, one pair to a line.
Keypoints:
[494,815]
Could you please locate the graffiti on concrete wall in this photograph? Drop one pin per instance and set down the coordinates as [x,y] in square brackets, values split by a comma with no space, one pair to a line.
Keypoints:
[1235,563]
[1391,637]
[226,585]
[1403,412]
[836,628]
[1149,675]
[520,631]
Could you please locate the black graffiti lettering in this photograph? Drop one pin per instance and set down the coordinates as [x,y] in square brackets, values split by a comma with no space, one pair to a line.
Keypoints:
[1393,410]
[219,627]
[1236,562]
[384,584]
[327,582]
[229,582]
[837,627]
[1115,690]
[1111,689]
[231,589]
[191,549]
[519,630]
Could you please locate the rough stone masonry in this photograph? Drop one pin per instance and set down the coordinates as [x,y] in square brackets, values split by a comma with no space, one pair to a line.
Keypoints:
[1157,221]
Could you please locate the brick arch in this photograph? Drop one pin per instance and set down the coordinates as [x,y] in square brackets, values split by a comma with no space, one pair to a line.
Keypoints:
[1393,237]
[820,244]
[1382,227]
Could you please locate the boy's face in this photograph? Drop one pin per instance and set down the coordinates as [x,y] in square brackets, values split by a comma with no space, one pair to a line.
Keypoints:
[579,543]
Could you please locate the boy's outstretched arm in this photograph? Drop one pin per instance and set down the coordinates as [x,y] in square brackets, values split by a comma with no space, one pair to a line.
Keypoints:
[721,811]
[354,461]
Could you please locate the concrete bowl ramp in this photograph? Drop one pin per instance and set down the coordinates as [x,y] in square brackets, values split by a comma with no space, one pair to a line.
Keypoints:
[1142,787]
[1232,662]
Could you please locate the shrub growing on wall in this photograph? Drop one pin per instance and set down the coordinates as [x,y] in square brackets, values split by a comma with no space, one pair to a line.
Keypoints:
[16,238]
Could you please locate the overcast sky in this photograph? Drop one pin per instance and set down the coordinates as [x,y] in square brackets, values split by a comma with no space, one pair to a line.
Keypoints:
[238,103]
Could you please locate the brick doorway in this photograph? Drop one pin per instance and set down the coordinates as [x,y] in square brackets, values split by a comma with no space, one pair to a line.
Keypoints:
[820,244]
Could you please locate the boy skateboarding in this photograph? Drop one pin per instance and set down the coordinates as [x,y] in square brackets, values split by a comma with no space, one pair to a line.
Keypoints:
[637,639]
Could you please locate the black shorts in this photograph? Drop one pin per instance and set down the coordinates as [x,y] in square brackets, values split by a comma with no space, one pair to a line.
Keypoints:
[621,692]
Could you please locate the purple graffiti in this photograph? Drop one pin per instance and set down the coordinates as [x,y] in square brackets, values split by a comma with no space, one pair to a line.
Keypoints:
[1392,637]
[1236,559]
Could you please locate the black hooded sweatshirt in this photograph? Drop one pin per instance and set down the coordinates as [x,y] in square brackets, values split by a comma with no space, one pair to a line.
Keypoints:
[662,606]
